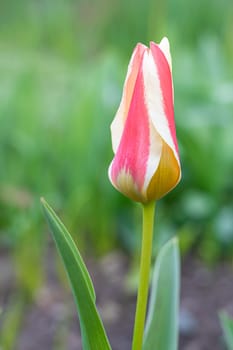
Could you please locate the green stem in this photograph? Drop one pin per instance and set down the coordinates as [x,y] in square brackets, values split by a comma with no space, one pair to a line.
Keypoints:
[144,275]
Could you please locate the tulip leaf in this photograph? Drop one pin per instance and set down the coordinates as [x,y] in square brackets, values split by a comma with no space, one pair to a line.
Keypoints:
[161,331]
[92,330]
[227,326]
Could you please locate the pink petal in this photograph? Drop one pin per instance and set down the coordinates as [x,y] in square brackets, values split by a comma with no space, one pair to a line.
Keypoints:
[117,125]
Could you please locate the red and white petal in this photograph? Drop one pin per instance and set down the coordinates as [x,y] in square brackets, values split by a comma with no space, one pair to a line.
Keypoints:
[165,48]
[139,151]
[117,125]
[159,96]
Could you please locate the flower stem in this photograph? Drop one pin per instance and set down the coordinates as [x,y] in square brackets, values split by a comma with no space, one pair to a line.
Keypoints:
[144,275]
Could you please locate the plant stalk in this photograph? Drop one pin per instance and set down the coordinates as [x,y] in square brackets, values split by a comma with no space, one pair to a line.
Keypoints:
[144,275]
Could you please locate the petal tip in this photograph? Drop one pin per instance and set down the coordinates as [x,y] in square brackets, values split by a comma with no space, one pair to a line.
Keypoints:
[164,43]
[164,46]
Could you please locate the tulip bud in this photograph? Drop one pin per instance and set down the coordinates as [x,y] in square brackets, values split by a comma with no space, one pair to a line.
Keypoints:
[146,164]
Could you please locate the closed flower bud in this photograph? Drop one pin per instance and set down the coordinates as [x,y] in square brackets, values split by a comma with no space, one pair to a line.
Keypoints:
[146,164]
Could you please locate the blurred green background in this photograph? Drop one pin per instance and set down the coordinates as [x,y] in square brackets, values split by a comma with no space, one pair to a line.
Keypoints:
[62,67]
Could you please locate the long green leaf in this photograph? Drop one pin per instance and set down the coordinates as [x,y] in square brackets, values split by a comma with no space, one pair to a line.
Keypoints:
[227,326]
[161,332]
[93,333]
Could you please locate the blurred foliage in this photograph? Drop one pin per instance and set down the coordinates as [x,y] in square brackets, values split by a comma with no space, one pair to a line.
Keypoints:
[11,326]
[227,327]
[62,66]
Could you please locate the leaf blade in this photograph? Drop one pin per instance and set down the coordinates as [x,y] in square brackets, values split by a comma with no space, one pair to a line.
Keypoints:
[93,333]
[161,332]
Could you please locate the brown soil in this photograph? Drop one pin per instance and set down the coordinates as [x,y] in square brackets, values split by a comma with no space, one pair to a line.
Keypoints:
[50,321]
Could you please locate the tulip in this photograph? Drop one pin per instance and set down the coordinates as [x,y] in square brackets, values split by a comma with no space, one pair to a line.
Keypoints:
[146,164]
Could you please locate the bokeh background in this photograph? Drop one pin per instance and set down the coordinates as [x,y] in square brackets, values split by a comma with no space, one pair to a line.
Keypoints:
[62,67]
